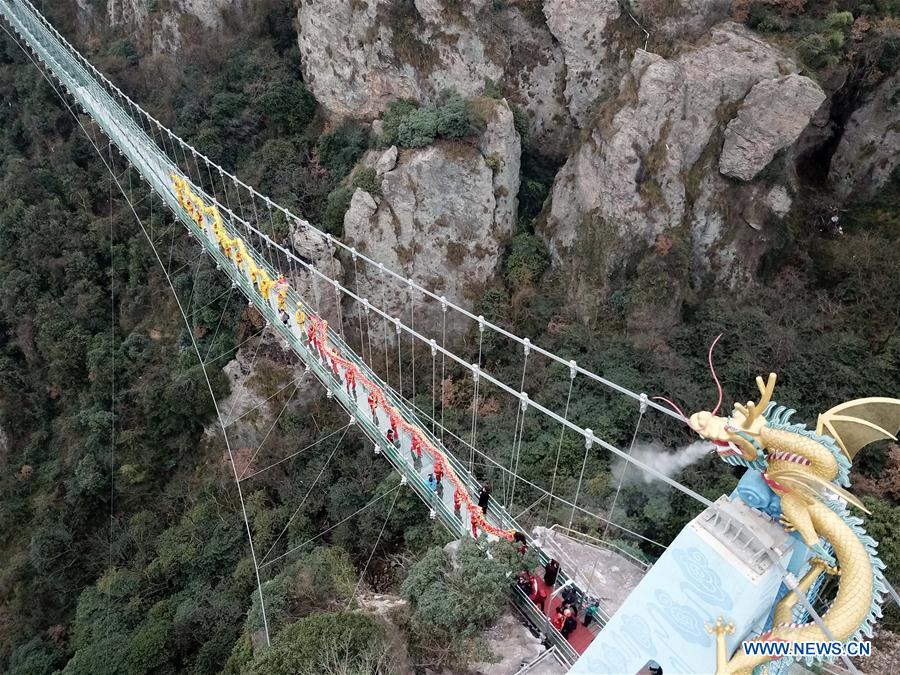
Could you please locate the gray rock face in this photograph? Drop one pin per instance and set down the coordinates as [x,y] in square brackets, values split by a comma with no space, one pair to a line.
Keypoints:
[314,248]
[347,58]
[649,166]
[358,55]
[771,118]
[442,217]
[869,150]
[592,68]
[165,25]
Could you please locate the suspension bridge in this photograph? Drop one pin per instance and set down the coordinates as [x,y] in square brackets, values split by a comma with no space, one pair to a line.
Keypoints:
[334,330]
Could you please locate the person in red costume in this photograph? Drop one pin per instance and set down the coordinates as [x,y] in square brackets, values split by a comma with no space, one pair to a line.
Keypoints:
[457,500]
[476,512]
[438,469]
[373,406]
[417,448]
[351,381]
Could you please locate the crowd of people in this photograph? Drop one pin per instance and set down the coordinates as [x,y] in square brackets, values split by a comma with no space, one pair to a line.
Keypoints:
[565,614]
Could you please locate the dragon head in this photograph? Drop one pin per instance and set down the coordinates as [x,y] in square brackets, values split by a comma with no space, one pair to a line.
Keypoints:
[737,435]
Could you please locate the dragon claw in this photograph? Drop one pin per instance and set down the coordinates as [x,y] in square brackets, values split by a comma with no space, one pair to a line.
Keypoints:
[786,523]
[831,569]
[720,627]
[825,556]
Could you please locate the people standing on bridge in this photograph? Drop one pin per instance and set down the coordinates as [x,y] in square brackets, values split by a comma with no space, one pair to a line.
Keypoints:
[457,500]
[285,318]
[417,448]
[394,419]
[591,613]
[569,625]
[558,618]
[373,406]
[431,483]
[551,571]
[300,318]
[524,583]
[281,291]
[350,376]
[520,539]
[484,497]
[391,437]
[438,469]
[475,514]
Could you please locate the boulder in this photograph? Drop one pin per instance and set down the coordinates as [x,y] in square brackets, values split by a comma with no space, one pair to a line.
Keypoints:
[387,161]
[869,149]
[316,251]
[771,118]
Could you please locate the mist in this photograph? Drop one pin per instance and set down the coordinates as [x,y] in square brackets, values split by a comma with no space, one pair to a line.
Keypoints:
[666,462]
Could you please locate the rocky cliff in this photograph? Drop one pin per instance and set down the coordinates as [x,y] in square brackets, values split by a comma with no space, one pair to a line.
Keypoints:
[556,60]
[168,22]
[667,182]
[442,213]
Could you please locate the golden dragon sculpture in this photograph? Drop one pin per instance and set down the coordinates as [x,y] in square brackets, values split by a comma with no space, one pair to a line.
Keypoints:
[808,470]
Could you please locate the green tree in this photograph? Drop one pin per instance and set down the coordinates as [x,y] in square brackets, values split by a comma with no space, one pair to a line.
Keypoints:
[337,642]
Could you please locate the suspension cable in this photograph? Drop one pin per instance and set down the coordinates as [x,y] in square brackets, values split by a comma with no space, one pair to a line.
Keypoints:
[183,316]
[337,524]
[272,426]
[294,454]
[306,496]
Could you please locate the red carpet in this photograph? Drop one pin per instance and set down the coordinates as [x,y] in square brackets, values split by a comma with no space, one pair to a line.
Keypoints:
[581,637]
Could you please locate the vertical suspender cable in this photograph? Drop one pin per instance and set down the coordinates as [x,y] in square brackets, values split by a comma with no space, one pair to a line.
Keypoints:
[588,442]
[515,473]
[562,432]
[412,340]
[387,367]
[612,507]
[443,358]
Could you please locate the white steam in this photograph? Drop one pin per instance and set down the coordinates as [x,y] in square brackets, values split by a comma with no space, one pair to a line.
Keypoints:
[665,461]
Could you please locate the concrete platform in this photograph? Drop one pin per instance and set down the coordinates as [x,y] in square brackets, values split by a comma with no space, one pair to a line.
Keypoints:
[601,572]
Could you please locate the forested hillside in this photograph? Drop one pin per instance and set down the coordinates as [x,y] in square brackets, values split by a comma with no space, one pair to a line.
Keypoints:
[122,546]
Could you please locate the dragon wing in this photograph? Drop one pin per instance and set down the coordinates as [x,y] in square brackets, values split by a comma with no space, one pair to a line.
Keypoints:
[855,424]
[813,488]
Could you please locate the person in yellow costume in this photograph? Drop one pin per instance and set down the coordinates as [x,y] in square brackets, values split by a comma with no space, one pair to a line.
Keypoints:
[265,284]
[254,273]
[300,317]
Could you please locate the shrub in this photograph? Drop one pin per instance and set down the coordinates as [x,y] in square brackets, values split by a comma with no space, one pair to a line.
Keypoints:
[528,259]
[417,129]
[411,127]
[338,203]
[366,178]
[839,20]
[520,120]
[452,117]
[339,150]
[392,117]
[324,643]
[817,51]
